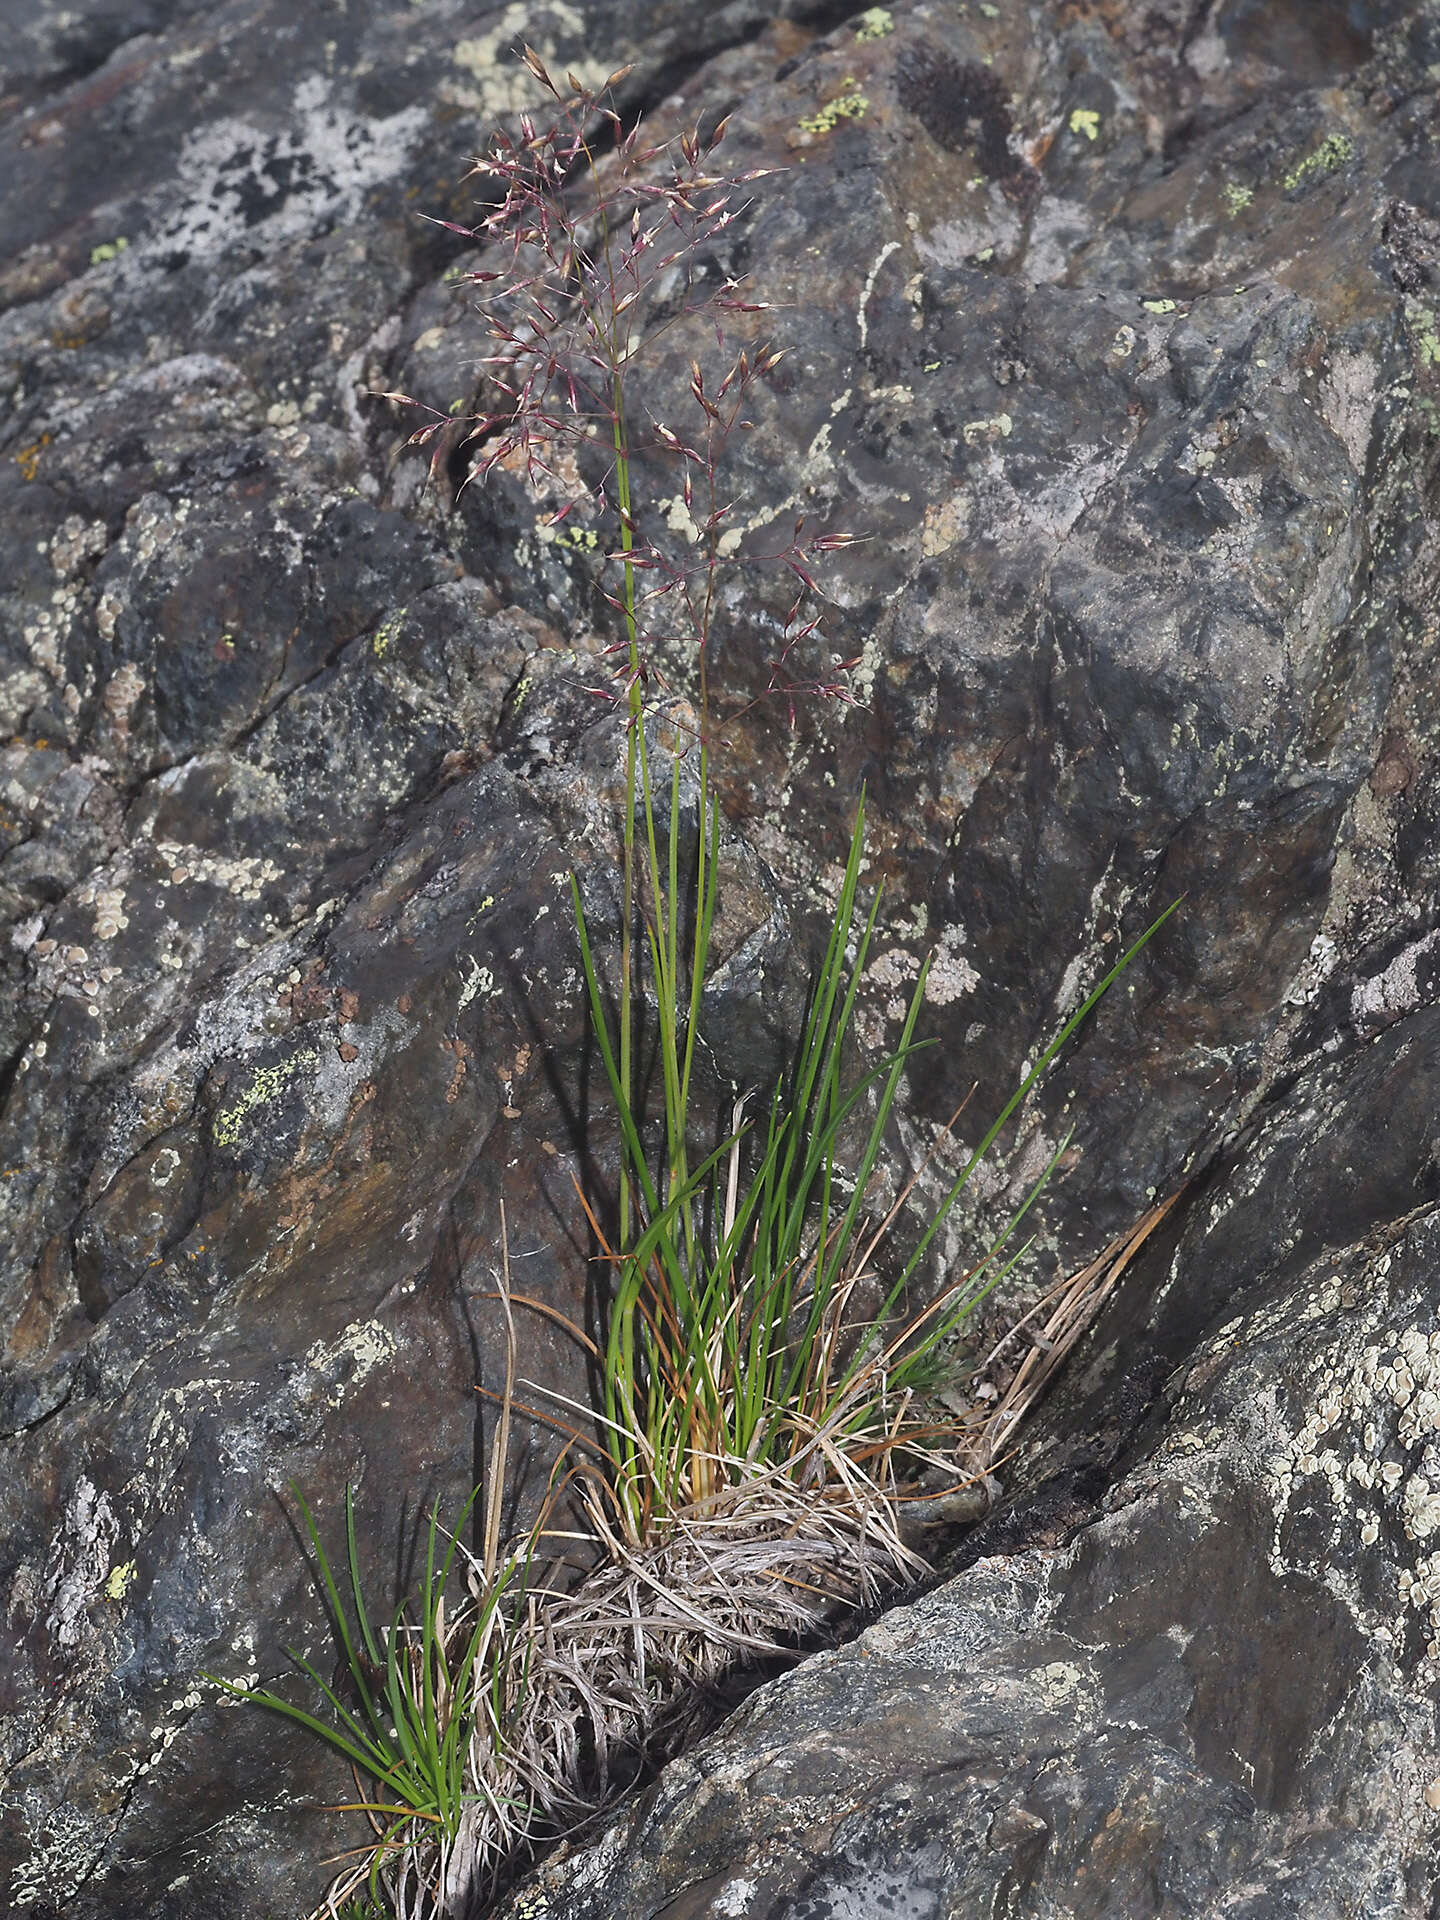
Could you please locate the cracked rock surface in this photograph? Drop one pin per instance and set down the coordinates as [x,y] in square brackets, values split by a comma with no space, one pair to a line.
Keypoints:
[1117,327]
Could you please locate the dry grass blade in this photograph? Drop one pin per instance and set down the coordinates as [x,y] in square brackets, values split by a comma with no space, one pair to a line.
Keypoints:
[500,1452]
[1053,1327]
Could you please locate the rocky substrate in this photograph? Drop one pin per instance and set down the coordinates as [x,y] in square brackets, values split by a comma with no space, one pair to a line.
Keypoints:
[1117,326]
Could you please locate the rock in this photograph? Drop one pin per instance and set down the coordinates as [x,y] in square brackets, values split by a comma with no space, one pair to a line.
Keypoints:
[1117,333]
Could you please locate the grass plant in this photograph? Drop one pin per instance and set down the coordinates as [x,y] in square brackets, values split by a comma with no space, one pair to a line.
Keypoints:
[766,1344]
[737,1355]
[407,1712]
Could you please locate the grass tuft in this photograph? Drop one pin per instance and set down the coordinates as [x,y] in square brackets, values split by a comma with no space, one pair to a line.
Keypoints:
[764,1414]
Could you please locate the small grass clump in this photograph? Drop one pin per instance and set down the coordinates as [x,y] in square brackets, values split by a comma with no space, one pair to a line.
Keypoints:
[762,1415]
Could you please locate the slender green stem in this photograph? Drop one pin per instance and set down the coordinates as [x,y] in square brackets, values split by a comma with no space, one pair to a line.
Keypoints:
[634,747]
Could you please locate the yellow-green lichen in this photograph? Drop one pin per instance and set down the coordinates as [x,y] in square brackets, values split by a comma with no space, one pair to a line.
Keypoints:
[108,250]
[1160,306]
[1333,151]
[385,633]
[875,23]
[1085,120]
[1236,197]
[848,104]
[120,1582]
[1424,331]
[263,1088]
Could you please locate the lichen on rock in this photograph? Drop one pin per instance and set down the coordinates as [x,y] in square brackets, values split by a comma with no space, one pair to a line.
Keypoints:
[1114,334]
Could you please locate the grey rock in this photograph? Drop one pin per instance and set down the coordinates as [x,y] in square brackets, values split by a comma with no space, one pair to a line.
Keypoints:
[1116,327]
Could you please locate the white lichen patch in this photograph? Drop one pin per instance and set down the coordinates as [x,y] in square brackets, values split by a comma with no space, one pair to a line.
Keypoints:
[76,1570]
[164,1167]
[861,321]
[167,1441]
[683,524]
[46,628]
[892,969]
[1058,231]
[951,975]
[1379,1002]
[233,178]
[1349,395]
[110,915]
[1319,963]
[1206,444]
[1420,1505]
[1097,952]
[476,982]
[1060,1679]
[734,1898]
[497,84]
[74,543]
[245,1681]
[348,1360]
[245,877]
[978,231]
[64,1845]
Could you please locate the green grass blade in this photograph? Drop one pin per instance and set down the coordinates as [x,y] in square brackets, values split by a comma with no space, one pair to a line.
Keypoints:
[630,1135]
[352,1558]
[1076,1019]
[349,1750]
